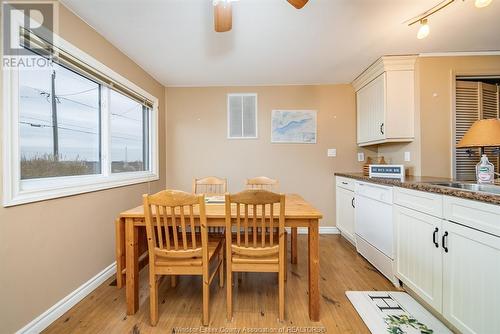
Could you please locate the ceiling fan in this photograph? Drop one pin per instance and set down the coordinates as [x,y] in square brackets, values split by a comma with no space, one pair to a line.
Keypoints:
[223,13]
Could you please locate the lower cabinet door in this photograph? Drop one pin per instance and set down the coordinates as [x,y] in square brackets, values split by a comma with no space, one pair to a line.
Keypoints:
[471,279]
[345,212]
[419,254]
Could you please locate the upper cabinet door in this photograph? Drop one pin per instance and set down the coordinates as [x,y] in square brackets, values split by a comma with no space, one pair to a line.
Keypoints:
[363,114]
[378,108]
[371,110]
[418,254]
[385,96]
[471,279]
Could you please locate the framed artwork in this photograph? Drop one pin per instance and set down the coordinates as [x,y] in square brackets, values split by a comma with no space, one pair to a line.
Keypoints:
[294,126]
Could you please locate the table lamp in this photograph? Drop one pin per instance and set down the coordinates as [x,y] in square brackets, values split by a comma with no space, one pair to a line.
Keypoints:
[483,133]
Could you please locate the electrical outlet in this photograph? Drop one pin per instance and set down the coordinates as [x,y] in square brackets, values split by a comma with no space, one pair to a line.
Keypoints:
[361,156]
[407,156]
[332,152]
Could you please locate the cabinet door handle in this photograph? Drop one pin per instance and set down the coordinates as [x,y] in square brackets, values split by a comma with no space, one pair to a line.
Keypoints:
[382,128]
[352,203]
[443,241]
[434,237]
[344,182]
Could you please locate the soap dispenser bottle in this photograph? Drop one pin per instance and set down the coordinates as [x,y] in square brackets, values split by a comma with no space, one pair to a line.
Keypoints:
[485,171]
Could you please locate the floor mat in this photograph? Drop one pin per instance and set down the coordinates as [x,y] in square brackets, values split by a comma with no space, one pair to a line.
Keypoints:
[394,312]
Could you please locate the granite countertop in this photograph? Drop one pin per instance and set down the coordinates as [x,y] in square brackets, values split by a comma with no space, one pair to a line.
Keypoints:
[424,183]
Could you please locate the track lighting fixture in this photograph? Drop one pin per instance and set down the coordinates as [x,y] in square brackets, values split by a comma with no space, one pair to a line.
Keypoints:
[482,3]
[424,30]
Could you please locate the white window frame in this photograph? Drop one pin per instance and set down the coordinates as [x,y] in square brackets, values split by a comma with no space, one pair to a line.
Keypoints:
[256,116]
[17,191]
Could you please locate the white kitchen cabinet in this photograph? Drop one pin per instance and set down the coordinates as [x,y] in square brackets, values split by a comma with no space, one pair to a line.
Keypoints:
[370,110]
[450,260]
[345,212]
[385,98]
[471,279]
[418,254]
[447,250]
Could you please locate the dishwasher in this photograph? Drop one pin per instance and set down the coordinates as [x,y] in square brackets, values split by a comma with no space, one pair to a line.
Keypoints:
[374,228]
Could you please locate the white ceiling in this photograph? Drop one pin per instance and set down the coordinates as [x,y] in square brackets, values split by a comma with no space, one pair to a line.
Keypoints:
[328,41]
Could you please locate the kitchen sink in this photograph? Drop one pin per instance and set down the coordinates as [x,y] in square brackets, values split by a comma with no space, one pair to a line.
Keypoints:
[485,188]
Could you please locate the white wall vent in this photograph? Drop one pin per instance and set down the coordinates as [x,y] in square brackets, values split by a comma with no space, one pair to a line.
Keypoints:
[242,116]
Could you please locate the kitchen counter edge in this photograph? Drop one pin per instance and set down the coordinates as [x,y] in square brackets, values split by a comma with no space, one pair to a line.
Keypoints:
[422,183]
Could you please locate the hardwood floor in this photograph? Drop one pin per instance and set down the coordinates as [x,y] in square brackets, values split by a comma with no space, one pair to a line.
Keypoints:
[255,301]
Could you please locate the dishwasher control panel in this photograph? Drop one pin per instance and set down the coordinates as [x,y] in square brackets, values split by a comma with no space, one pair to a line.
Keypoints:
[374,191]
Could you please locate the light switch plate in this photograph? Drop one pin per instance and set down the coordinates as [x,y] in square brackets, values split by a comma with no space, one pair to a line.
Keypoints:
[361,156]
[407,156]
[332,152]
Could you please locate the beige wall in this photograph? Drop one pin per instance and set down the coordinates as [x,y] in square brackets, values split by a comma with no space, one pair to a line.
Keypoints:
[197,144]
[49,248]
[436,114]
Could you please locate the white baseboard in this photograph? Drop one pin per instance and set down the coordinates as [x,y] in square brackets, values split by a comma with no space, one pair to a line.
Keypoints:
[52,314]
[322,230]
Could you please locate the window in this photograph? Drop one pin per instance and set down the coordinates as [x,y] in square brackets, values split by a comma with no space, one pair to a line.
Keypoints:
[242,116]
[74,126]
[59,117]
[129,134]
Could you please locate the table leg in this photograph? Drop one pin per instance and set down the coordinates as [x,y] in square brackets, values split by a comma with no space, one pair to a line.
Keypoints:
[294,245]
[132,266]
[120,252]
[313,239]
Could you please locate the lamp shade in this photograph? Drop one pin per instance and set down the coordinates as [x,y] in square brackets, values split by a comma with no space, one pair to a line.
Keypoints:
[483,133]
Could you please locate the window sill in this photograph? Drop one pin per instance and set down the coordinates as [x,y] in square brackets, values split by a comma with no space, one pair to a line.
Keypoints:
[69,186]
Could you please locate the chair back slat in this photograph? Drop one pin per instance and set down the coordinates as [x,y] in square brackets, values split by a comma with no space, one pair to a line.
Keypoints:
[183,229]
[254,221]
[210,186]
[166,225]
[193,226]
[238,224]
[246,225]
[159,231]
[259,206]
[263,225]
[174,228]
[271,223]
[262,182]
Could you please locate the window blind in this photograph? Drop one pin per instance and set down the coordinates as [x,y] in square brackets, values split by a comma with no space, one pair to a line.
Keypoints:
[48,50]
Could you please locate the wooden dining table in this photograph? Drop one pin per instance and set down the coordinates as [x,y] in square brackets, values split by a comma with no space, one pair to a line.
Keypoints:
[132,255]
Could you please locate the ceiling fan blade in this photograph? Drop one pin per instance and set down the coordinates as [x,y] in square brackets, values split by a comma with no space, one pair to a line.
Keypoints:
[298,3]
[223,16]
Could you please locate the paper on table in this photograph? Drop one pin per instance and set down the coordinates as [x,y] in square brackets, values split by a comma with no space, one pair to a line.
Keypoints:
[214,199]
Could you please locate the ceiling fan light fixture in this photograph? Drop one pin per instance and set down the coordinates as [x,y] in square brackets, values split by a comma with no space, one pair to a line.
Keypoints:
[424,29]
[482,3]
[298,3]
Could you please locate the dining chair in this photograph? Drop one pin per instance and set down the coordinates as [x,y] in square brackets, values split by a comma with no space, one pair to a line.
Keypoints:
[259,242]
[176,248]
[263,182]
[211,186]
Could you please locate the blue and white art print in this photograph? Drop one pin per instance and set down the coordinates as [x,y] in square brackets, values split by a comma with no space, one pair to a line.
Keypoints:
[293,126]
